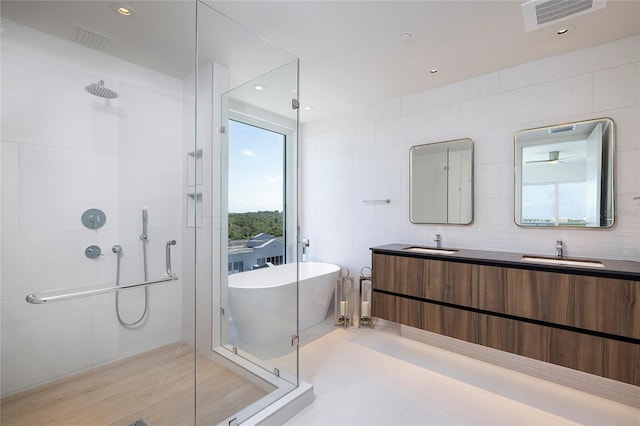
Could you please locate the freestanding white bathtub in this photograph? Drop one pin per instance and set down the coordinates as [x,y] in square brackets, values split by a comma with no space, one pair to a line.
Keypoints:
[263,301]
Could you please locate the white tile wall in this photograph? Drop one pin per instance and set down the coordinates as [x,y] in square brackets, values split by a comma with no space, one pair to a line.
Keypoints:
[64,151]
[364,154]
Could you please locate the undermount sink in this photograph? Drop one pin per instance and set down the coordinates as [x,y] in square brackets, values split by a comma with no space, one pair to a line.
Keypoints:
[563,262]
[430,250]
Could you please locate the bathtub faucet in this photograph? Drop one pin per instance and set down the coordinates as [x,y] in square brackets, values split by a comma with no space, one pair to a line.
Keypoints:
[305,243]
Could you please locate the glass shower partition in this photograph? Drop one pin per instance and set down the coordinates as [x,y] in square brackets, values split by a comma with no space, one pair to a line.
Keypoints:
[242,80]
[260,221]
[95,263]
[111,217]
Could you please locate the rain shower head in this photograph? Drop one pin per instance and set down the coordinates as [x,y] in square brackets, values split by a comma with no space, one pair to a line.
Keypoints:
[98,89]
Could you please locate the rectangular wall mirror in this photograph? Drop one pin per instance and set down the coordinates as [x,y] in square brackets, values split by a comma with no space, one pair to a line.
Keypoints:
[441,182]
[564,175]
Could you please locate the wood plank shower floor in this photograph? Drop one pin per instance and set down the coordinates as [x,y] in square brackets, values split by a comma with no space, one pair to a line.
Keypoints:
[156,386]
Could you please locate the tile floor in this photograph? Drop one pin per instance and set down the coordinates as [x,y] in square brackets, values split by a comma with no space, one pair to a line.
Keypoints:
[377,377]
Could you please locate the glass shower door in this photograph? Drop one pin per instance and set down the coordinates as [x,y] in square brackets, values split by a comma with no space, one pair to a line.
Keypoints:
[260,221]
[231,56]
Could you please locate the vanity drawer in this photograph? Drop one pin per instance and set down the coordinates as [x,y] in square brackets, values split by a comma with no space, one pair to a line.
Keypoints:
[514,336]
[599,304]
[457,323]
[609,358]
[449,282]
[397,309]
[398,274]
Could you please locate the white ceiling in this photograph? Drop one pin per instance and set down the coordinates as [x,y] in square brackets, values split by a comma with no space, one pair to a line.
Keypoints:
[350,52]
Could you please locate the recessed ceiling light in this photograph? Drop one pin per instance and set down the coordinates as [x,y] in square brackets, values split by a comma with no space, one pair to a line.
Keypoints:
[258,86]
[405,36]
[123,9]
[308,107]
[433,70]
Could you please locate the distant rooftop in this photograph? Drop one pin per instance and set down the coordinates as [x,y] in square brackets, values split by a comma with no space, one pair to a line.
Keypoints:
[247,246]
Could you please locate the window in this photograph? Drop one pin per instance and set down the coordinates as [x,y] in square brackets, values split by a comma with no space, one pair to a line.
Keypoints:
[276,260]
[235,267]
[560,203]
[256,194]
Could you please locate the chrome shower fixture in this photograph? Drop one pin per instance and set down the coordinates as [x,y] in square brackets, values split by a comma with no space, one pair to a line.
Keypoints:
[145,220]
[98,89]
[170,243]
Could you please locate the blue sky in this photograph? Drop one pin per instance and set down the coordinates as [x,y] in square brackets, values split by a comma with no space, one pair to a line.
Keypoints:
[256,169]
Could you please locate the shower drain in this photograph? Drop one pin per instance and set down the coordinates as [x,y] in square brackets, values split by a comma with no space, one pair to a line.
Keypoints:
[140,422]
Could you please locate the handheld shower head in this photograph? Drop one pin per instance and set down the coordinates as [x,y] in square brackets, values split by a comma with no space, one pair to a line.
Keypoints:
[98,89]
[145,219]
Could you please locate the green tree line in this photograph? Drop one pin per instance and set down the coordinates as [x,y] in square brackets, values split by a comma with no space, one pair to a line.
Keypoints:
[245,225]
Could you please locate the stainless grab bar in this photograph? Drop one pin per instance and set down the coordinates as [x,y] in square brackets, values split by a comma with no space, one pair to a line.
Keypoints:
[168,256]
[38,300]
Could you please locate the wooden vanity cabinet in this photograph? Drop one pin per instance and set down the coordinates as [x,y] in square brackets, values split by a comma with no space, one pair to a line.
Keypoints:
[384,306]
[584,322]
[406,278]
[397,309]
[614,359]
[517,337]
[397,274]
[599,304]
[448,282]
[448,321]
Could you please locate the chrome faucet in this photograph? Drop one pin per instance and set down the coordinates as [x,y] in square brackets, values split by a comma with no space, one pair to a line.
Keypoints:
[304,243]
[438,240]
[559,247]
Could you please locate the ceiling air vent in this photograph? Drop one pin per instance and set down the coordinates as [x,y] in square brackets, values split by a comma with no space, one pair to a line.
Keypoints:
[88,38]
[540,13]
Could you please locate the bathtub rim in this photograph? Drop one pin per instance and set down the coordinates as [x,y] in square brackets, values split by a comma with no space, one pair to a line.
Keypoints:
[244,280]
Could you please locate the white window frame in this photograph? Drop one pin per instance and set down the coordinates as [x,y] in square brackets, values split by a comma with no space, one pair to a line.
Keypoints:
[281,125]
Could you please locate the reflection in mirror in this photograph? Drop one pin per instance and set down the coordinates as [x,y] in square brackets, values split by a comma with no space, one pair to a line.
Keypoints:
[441,182]
[564,175]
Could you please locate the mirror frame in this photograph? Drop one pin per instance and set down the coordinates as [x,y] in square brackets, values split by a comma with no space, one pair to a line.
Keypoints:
[609,151]
[412,183]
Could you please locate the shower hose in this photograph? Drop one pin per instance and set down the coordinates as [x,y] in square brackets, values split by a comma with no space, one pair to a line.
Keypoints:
[118,251]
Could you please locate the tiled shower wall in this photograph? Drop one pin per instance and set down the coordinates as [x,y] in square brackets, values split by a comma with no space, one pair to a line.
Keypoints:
[364,155]
[64,151]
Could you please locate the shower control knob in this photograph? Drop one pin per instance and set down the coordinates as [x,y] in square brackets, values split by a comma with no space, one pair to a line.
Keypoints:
[93,251]
[93,218]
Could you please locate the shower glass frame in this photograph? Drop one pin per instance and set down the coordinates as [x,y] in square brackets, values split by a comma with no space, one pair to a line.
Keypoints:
[243,104]
[227,89]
